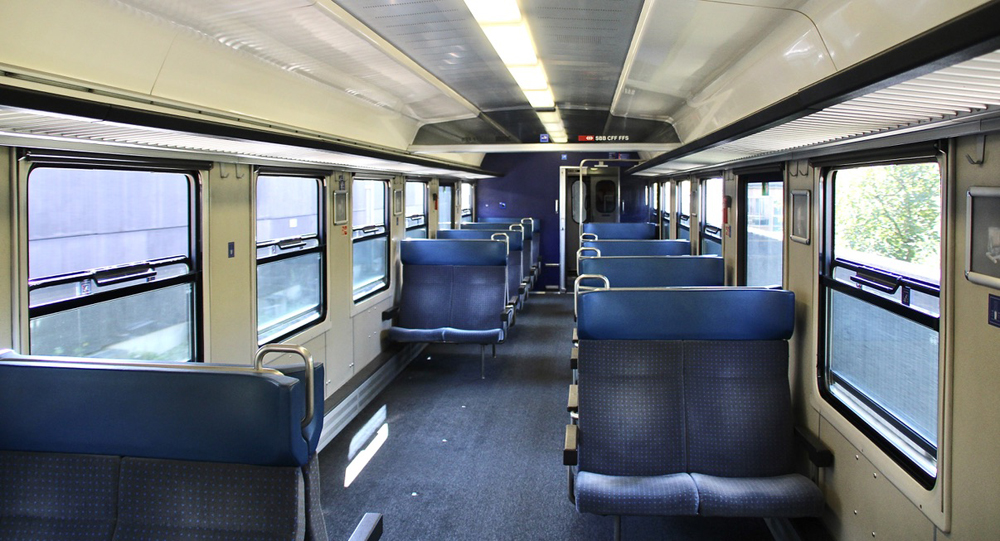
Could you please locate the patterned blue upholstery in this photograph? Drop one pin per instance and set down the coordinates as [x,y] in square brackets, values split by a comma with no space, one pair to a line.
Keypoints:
[515,253]
[621,230]
[315,522]
[698,423]
[57,497]
[616,248]
[631,407]
[655,271]
[164,499]
[789,495]
[687,313]
[662,495]
[454,296]
[739,408]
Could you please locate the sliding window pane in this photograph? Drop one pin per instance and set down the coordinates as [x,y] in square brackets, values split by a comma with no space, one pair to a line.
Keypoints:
[765,233]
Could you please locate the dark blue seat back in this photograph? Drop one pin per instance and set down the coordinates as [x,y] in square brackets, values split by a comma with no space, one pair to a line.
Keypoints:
[666,271]
[502,228]
[515,252]
[606,231]
[719,313]
[166,410]
[460,284]
[532,228]
[615,248]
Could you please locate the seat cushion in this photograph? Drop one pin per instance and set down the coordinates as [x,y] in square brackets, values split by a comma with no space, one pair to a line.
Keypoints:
[662,495]
[49,496]
[446,334]
[168,499]
[791,495]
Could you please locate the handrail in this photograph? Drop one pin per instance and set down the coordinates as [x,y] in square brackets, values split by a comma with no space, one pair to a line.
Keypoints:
[258,365]
[504,238]
[576,287]
[579,253]
[588,236]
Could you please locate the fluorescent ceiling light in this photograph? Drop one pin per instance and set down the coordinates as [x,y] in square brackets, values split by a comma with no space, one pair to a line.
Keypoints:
[513,43]
[559,138]
[529,77]
[494,11]
[540,99]
[549,116]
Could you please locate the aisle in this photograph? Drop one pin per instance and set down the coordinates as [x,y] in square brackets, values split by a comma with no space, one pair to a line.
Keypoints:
[477,459]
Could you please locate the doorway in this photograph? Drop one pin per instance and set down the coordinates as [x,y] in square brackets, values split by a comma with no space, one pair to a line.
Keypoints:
[587,195]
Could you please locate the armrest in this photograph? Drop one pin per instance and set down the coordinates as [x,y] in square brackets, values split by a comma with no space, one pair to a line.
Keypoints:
[390,313]
[573,401]
[576,337]
[521,289]
[574,358]
[819,454]
[569,447]
[369,529]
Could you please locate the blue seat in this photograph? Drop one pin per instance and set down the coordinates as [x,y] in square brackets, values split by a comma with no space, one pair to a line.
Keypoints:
[515,255]
[531,240]
[454,291]
[655,271]
[615,248]
[684,405]
[121,451]
[608,231]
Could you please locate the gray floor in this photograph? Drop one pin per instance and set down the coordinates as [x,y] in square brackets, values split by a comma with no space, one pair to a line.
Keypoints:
[468,458]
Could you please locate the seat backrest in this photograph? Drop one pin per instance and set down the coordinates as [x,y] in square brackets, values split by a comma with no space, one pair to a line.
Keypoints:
[454,283]
[531,230]
[515,253]
[503,227]
[634,230]
[722,353]
[181,411]
[655,271]
[615,248]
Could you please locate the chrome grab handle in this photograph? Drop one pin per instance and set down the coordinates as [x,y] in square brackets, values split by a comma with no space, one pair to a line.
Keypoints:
[258,365]
[579,254]
[502,237]
[588,236]
[576,287]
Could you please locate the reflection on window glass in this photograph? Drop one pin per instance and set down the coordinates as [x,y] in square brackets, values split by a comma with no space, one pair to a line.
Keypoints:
[152,326]
[416,210]
[883,301]
[467,196]
[289,255]
[110,266]
[765,233]
[606,197]
[371,238]
[445,206]
[889,216]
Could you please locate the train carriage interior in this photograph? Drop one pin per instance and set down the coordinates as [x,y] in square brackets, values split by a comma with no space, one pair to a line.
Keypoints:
[355,269]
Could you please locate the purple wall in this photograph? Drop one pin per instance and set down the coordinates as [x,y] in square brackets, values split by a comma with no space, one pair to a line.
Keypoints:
[530,187]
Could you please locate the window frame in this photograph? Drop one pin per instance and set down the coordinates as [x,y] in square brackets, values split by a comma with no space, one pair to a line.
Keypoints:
[425,217]
[703,225]
[744,182]
[866,421]
[191,170]
[293,250]
[371,232]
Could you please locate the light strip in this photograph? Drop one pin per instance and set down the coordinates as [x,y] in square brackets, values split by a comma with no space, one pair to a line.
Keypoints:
[508,32]
[365,456]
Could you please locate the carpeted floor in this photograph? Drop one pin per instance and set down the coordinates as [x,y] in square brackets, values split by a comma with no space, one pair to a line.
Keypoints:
[477,459]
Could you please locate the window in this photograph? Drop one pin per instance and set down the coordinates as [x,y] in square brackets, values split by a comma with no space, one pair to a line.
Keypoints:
[111,268]
[763,233]
[466,193]
[880,289]
[446,202]
[370,221]
[711,216]
[665,214]
[684,210]
[289,255]
[416,210]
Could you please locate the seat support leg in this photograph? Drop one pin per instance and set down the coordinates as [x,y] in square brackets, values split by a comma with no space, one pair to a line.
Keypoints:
[494,351]
[618,527]
[482,361]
